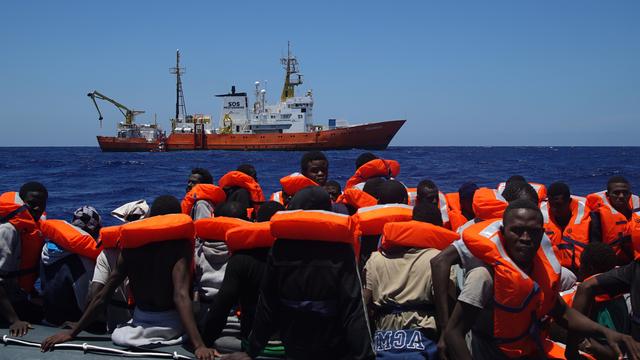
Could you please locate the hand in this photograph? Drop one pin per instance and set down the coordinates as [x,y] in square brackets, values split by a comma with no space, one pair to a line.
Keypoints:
[204,353]
[19,328]
[237,356]
[615,339]
[442,348]
[58,338]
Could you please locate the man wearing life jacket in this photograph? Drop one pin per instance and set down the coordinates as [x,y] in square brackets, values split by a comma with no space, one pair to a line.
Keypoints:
[368,166]
[68,260]
[19,214]
[398,285]
[242,281]
[611,212]
[427,191]
[505,307]
[315,166]
[311,293]
[539,188]
[199,204]
[156,256]
[242,186]
[461,205]
[566,222]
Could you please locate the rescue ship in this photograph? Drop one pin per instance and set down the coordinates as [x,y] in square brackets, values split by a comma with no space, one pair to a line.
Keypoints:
[286,125]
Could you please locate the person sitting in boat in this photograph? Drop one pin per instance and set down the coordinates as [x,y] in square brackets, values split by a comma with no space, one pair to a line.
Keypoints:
[203,205]
[333,189]
[20,248]
[68,260]
[156,256]
[315,166]
[241,284]
[241,185]
[398,288]
[369,166]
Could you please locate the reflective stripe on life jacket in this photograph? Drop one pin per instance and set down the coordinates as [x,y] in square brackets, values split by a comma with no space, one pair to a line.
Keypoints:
[570,242]
[371,220]
[295,182]
[70,238]
[521,300]
[156,229]
[215,229]
[374,168]
[213,194]
[317,225]
[109,237]
[616,229]
[356,198]
[539,188]
[250,236]
[240,179]
[488,204]
[277,197]
[416,234]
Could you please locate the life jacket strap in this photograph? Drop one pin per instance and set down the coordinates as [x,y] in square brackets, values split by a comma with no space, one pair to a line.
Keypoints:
[12,214]
[525,303]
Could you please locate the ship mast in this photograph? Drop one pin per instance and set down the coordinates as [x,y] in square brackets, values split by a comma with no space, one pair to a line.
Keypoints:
[180,105]
[290,64]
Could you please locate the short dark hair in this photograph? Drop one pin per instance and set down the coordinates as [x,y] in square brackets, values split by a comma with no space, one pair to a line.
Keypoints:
[520,190]
[310,156]
[467,190]
[521,203]
[364,158]
[267,210]
[427,212]
[617,179]
[232,209]
[598,257]
[333,183]
[392,192]
[373,185]
[513,178]
[311,198]
[423,186]
[559,188]
[206,175]
[32,186]
[165,204]
[248,169]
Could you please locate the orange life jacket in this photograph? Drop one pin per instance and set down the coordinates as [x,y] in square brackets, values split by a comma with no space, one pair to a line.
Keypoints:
[453,200]
[456,218]
[295,182]
[374,168]
[277,197]
[521,301]
[539,188]
[634,228]
[570,243]
[250,236]
[70,238]
[14,211]
[156,229]
[416,234]
[568,295]
[488,204]
[372,219]
[317,225]
[215,229]
[615,226]
[356,198]
[109,237]
[443,205]
[240,179]
[215,195]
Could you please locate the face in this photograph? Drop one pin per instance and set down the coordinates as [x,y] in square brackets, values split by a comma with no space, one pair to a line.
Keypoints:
[333,191]
[619,194]
[429,196]
[37,202]
[522,232]
[317,170]
[560,206]
[194,179]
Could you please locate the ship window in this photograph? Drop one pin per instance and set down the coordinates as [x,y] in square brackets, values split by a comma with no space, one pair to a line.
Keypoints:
[299,116]
[237,128]
[303,110]
[273,116]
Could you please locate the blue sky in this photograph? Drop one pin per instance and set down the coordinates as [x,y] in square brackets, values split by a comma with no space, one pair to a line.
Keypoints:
[462,73]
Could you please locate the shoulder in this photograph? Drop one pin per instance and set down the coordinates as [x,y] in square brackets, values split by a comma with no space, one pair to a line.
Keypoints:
[8,232]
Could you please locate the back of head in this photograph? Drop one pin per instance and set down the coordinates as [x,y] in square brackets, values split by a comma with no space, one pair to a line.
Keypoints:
[466,191]
[205,174]
[267,210]
[427,212]
[520,190]
[596,258]
[249,170]
[618,179]
[32,186]
[519,204]
[165,204]
[311,156]
[364,158]
[232,209]
[373,186]
[427,190]
[559,189]
[310,198]
[333,183]
[392,192]
[88,219]
[515,178]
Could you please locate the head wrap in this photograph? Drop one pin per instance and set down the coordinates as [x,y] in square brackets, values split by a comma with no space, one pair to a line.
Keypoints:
[136,209]
[87,218]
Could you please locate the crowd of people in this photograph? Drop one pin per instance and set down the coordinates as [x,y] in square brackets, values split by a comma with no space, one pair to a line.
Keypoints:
[374,269]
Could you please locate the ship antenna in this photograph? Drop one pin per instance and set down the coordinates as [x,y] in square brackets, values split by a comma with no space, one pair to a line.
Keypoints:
[290,64]
[180,105]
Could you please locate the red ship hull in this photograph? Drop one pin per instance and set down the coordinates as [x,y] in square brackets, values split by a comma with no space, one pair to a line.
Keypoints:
[374,136]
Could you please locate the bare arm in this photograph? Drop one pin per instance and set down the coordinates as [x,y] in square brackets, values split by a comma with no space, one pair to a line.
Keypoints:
[17,327]
[462,319]
[440,273]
